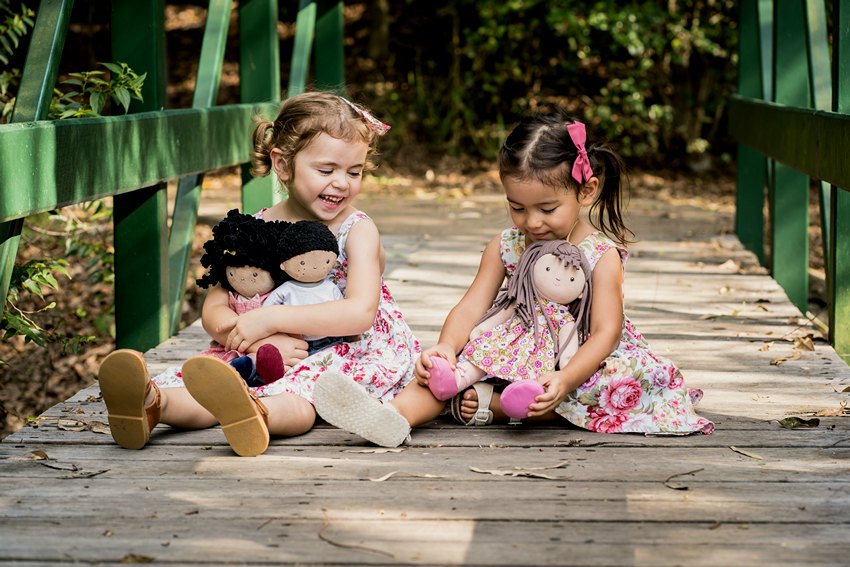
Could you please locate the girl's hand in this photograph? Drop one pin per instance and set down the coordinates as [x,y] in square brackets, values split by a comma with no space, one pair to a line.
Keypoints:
[557,387]
[423,365]
[292,349]
[246,329]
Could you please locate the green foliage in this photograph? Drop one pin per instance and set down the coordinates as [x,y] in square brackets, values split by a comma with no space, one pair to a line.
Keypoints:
[652,78]
[90,92]
[13,27]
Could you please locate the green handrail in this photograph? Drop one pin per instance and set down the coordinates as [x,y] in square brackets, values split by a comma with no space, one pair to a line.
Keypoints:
[51,164]
[802,124]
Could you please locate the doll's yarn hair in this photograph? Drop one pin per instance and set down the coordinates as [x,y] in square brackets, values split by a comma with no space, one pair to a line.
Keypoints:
[241,240]
[522,293]
[305,236]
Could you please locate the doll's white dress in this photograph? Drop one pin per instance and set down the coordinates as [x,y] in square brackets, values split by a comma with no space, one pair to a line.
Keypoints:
[635,390]
[382,360]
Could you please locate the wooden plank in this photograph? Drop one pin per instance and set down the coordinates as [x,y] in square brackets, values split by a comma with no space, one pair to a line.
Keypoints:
[334,541]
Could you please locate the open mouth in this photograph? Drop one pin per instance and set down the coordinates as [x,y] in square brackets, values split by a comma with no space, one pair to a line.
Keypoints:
[331,199]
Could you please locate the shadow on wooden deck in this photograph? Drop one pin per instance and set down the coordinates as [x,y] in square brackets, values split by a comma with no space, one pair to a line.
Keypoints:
[753,492]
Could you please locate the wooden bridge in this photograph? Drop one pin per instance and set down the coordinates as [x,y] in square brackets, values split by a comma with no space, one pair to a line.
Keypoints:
[754,492]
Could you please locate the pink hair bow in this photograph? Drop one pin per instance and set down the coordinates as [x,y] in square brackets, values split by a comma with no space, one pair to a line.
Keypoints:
[581,166]
[373,123]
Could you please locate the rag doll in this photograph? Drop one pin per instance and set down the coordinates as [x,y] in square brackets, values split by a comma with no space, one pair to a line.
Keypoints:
[242,258]
[307,252]
[534,327]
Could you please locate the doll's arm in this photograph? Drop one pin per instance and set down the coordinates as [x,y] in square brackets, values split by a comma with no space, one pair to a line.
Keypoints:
[493,321]
[216,312]
[569,348]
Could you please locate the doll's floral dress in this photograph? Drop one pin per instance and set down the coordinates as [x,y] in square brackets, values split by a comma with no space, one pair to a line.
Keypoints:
[510,352]
[635,390]
[382,360]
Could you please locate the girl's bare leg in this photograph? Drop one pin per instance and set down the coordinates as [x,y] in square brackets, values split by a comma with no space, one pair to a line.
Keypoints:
[179,409]
[417,404]
[289,414]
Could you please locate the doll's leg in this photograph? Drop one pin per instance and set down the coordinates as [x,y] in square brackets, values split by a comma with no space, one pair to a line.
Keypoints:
[270,366]
[445,383]
[246,366]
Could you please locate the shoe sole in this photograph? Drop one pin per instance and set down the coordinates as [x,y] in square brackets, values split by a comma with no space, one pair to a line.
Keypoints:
[123,378]
[347,405]
[218,387]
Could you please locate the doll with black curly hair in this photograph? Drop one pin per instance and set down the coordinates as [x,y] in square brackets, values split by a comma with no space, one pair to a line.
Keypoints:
[243,257]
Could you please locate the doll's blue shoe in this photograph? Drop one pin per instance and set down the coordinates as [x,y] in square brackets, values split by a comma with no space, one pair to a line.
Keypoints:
[246,368]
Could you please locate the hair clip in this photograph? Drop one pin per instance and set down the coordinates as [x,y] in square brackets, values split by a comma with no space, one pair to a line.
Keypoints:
[581,166]
[373,123]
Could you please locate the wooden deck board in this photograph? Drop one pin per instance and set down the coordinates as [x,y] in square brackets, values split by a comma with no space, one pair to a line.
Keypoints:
[753,492]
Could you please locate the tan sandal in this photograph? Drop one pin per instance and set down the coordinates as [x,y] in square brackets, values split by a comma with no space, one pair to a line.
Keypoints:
[218,387]
[124,386]
[483,415]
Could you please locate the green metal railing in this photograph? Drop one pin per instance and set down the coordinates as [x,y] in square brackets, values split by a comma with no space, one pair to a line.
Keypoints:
[45,164]
[792,118]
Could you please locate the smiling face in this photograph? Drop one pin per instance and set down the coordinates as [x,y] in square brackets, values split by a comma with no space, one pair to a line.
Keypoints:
[326,178]
[249,281]
[544,212]
[310,267]
[557,281]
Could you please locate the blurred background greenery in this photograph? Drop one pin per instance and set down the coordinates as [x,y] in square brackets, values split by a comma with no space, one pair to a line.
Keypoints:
[451,76]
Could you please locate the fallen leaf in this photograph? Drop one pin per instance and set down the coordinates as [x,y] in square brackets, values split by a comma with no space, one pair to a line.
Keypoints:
[132,558]
[38,455]
[847,389]
[414,475]
[671,477]
[71,425]
[839,411]
[766,346]
[529,472]
[794,422]
[780,359]
[746,453]
[375,451]
[804,343]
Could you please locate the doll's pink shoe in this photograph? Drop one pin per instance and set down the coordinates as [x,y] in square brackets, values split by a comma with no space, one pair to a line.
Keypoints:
[517,396]
[442,383]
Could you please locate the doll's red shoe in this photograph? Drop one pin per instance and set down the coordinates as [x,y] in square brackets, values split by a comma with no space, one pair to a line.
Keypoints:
[517,396]
[443,381]
[270,366]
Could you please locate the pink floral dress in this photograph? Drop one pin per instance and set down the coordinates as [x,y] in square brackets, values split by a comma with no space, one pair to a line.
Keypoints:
[510,352]
[634,390]
[382,360]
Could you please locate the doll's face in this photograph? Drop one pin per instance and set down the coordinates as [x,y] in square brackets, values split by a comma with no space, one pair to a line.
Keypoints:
[310,267]
[249,281]
[557,282]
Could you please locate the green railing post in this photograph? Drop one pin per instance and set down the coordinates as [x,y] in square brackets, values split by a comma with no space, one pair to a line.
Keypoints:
[305,32]
[32,103]
[330,60]
[789,200]
[140,218]
[259,81]
[752,165]
[185,215]
[838,279]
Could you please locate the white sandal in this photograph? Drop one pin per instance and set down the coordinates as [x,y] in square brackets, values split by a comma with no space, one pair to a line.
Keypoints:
[483,415]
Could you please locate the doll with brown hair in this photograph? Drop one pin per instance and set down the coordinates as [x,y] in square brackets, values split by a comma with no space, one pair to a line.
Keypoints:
[533,328]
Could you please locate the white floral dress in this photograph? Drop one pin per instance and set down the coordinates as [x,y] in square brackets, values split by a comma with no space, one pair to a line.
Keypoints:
[635,390]
[382,360]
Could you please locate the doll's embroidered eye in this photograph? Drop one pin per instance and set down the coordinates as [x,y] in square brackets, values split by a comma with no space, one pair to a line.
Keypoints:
[255,274]
[303,262]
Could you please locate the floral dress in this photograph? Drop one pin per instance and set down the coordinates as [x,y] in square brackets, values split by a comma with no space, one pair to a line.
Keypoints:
[635,390]
[382,360]
[510,352]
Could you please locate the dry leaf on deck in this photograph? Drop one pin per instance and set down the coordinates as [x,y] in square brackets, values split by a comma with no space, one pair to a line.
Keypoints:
[766,346]
[794,422]
[398,473]
[804,343]
[38,455]
[71,425]
[376,451]
[839,411]
[746,453]
[780,359]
